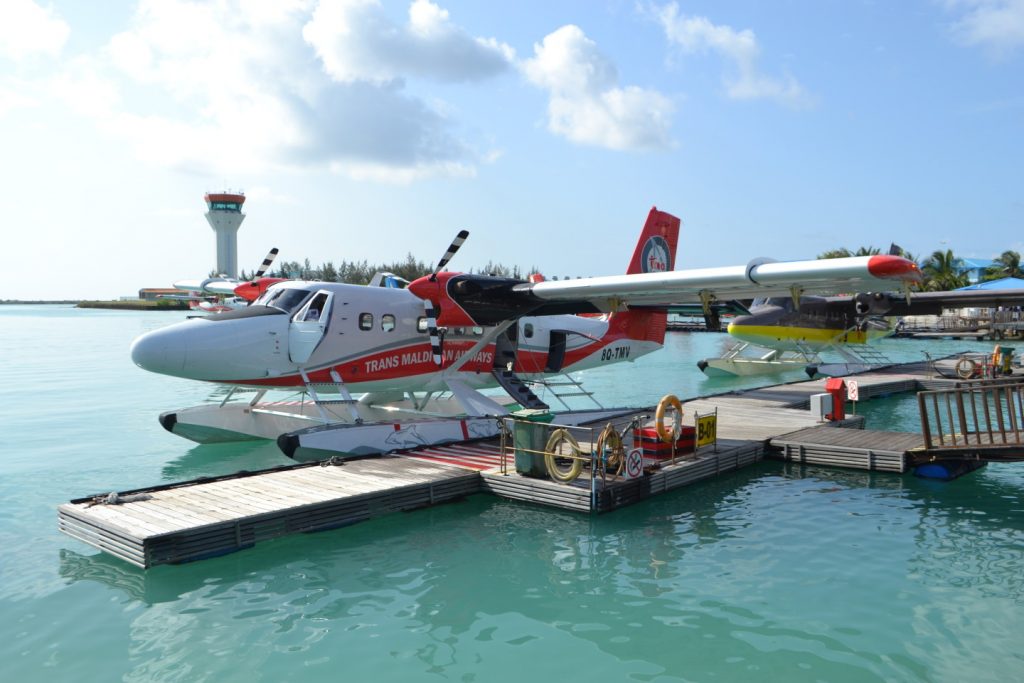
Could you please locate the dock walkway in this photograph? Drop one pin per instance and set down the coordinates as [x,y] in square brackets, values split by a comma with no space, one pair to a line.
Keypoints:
[208,517]
[857,448]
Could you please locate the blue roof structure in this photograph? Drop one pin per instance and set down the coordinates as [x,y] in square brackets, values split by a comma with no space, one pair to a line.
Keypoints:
[1004,283]
[974,263]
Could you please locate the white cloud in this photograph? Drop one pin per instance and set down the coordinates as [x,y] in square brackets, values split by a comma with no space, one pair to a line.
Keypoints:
[357,42]
[15,95]
[235,86]
[695,34]
[997,25]
[587,105]
[26,29]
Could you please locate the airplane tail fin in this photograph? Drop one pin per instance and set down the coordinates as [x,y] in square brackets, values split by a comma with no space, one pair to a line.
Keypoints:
[656,248]
[655,252]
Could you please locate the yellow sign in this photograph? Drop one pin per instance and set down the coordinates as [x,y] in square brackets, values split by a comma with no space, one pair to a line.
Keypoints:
[707,430]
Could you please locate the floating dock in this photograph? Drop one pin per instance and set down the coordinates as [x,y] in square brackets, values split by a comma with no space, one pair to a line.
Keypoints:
[209,517]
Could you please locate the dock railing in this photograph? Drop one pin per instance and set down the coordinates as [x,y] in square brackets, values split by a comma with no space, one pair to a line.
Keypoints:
[979,417]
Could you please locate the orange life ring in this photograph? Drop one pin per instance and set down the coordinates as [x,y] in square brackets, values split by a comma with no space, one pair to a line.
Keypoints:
[669,401]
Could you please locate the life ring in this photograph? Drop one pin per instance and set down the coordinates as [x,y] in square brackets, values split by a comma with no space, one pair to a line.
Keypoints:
[669,401]
[552,455]
[965,368]
[611,441]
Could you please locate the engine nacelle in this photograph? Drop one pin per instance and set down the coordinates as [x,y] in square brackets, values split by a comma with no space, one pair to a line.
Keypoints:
[871,303]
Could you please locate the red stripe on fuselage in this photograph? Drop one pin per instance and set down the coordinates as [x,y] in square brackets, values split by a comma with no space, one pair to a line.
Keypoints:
[416,359]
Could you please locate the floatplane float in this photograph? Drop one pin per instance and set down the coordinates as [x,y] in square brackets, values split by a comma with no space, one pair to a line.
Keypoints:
[780,334]
[378,368]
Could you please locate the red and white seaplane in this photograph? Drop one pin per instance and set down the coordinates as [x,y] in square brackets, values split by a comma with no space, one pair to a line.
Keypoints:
[221,294]
[420,355]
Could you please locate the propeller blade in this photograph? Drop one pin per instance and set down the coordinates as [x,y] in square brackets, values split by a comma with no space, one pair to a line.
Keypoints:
[454,247]
[266,264]
[435,338]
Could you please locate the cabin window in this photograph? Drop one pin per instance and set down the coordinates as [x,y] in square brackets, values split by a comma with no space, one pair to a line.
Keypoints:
[528,330]
[316,308]
[421,324]
[387,322]
[366,321]
[284,299]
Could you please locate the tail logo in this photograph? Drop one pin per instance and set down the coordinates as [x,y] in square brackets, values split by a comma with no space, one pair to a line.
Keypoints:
[654,257]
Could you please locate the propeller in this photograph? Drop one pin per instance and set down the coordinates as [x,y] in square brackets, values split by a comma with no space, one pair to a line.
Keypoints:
[452,248]
[271,255]
[254,287]
[428,305]
[435,338]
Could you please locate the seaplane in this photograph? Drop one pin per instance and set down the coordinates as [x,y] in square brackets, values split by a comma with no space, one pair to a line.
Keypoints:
[779,334]
[420,357]
[220,294]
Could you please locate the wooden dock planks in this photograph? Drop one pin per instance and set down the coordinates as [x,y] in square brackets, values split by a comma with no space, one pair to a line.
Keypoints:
[204,518]
[856,448]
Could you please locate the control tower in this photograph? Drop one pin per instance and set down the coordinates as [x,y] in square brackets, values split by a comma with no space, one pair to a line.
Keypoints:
[225,216]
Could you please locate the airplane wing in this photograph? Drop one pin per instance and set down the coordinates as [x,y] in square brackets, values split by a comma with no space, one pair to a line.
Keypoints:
[757,279]
[225,287]
[923,303]
[178,297]
[467,299]
[206,284]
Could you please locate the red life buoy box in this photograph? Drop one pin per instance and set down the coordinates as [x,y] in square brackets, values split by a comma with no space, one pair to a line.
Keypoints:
[648,440]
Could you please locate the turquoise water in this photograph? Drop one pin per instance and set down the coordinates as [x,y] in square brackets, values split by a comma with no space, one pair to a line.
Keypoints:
[772,573]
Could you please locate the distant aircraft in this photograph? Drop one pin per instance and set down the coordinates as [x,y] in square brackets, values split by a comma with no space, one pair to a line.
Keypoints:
[775,335]
[220,294]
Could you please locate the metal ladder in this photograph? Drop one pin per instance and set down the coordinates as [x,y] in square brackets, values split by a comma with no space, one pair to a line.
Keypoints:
[339,386]
[574,388]
[864,354]
[518,389]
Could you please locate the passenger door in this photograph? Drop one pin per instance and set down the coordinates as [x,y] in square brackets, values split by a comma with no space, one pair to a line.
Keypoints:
[308,326]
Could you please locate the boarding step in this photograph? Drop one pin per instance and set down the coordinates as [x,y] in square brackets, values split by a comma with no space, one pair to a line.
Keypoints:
[336,386]
[555,386]
[518,389]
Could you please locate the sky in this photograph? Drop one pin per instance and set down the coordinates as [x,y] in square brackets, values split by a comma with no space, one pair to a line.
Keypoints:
[370,129]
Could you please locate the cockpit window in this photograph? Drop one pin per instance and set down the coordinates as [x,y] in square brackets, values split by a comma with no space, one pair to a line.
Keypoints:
[283,298]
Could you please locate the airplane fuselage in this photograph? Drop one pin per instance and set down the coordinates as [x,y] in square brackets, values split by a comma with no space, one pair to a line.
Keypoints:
[775,324]
[375,339]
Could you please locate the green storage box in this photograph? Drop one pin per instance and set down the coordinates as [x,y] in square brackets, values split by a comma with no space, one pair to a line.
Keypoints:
[530,433]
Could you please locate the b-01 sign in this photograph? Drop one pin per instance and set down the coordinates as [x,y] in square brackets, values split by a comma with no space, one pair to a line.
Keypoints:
[707,429]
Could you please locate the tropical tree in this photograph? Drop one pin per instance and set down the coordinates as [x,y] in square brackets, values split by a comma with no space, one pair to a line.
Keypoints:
[941,272]
[867,251]
[1006,265]
[841,252]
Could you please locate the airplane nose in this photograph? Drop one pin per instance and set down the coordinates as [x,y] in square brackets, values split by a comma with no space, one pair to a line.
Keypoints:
[160,351]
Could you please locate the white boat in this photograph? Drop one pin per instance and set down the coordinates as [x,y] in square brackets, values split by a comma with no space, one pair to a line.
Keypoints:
[740,361]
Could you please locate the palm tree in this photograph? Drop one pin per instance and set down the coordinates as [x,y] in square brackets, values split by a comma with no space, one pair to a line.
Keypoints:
[867,251]
[941,272]
[1006,265]
[842,252]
